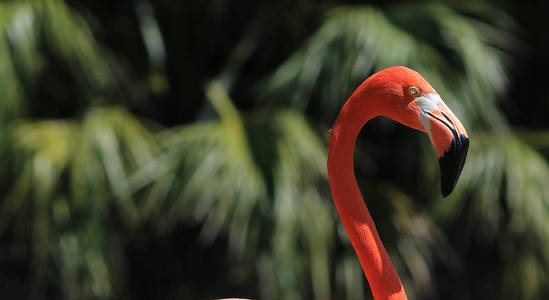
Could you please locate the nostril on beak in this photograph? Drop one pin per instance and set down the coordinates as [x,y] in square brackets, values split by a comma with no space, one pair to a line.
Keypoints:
[448,119]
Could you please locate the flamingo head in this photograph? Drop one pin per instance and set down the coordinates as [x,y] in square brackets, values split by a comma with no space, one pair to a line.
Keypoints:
[405,96]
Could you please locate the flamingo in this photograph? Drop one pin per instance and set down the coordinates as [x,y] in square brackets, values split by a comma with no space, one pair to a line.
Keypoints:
[403,95]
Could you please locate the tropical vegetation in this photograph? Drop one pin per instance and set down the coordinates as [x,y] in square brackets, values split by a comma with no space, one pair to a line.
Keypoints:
[165,149]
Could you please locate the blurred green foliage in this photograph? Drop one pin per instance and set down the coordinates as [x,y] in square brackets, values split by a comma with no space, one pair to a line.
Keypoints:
[166,149]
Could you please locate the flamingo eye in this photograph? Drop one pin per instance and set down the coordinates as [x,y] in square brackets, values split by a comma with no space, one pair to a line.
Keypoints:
[414,91]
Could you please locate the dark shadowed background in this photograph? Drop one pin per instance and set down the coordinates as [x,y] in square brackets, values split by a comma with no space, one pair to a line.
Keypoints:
[177,149]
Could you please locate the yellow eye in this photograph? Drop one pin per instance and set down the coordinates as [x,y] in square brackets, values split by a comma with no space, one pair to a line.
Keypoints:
[414,91]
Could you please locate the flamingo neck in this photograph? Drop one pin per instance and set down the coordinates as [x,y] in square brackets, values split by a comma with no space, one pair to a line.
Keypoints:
[356,219]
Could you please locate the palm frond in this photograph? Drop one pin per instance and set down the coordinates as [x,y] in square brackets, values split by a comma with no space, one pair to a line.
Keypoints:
[51,156]
[70,36]
[18,55]
[504,197]
[301,211]
[66,33]
[355,41]
[222,185]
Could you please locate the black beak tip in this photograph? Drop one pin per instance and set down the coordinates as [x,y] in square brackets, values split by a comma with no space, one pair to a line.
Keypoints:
[451,164]
[446,191]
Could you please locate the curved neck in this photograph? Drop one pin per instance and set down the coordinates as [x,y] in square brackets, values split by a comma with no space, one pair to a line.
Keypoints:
[358,223]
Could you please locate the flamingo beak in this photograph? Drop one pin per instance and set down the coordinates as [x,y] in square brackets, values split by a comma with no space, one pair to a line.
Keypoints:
[448,137]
